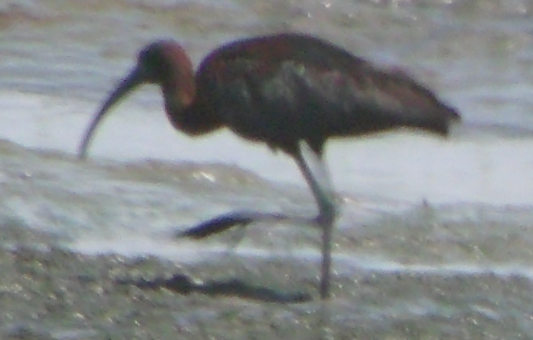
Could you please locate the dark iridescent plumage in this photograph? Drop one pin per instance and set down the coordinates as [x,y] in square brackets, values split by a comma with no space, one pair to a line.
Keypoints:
[290,91]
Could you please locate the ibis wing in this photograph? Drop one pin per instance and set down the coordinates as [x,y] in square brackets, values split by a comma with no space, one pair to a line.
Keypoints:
[285,88]
[368,99]
[294,99]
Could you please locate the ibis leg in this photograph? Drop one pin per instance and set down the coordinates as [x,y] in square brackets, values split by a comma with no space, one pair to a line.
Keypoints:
[315,173]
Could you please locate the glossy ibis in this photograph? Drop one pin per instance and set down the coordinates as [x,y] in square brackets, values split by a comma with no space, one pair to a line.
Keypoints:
[290,91]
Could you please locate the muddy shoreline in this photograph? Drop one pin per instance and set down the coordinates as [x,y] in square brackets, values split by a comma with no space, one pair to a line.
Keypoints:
[50,292]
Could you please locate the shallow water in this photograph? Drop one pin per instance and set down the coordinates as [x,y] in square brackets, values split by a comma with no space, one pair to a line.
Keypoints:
[434,240]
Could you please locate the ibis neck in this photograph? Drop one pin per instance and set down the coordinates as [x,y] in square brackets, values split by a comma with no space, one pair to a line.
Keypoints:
[190,114]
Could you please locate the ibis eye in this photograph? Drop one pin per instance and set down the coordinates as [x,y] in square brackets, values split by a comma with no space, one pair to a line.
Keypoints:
[154,62]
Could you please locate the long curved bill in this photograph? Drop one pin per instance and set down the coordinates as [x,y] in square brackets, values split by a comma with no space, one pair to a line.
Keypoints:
[135,78]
